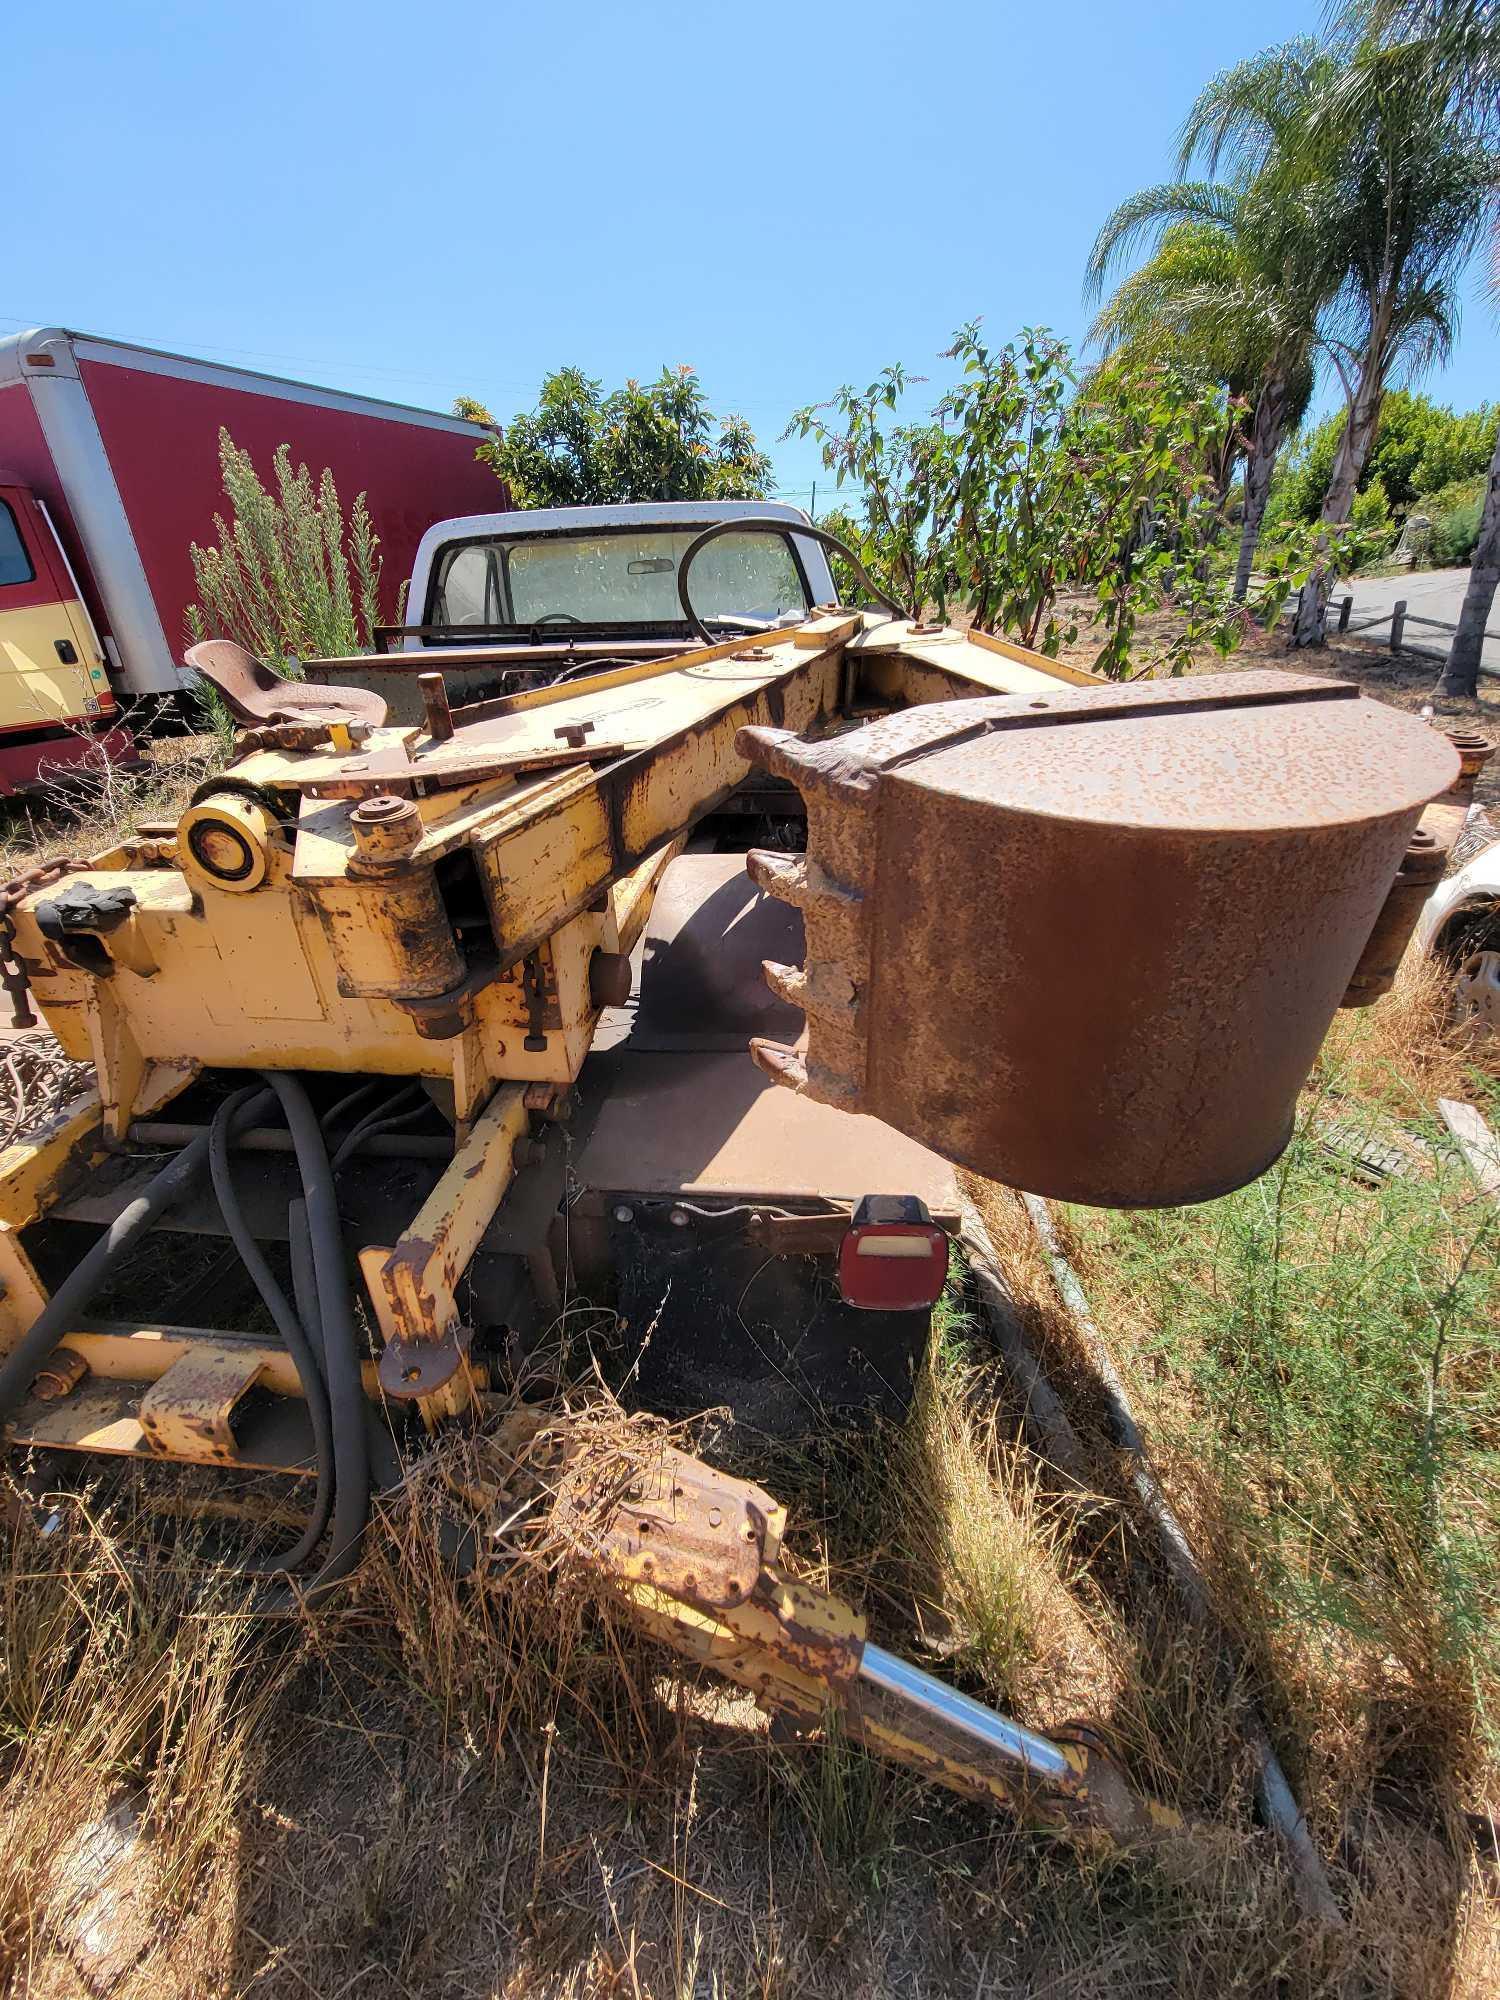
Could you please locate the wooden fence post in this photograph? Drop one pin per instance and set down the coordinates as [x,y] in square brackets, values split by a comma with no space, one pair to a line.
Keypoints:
[1344,609]
[1398,624]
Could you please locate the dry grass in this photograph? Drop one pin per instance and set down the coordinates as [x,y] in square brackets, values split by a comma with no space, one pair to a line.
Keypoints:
[92,806]
[486,1783]
[1407,1051]
[482,1781]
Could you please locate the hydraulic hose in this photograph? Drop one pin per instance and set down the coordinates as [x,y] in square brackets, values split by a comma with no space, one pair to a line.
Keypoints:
[788,530]
[381,1119]
[92,1272]
[346,1396]
[292,1327]
[304,1277]
[336,1406]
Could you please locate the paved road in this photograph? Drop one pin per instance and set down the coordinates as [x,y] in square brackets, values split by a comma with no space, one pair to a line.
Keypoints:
[1434,593]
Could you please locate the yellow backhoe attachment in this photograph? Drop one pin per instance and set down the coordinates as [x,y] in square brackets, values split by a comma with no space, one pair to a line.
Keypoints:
[1063,933]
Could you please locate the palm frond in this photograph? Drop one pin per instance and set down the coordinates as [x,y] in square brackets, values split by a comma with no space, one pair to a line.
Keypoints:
[1157,209]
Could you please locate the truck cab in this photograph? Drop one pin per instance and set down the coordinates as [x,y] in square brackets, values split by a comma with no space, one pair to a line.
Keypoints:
[53,675]
[501,603]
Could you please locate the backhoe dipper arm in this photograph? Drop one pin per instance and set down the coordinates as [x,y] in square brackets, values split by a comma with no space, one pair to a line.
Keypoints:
[694,1555]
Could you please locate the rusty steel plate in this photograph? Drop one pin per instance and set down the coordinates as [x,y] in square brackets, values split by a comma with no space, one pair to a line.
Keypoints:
[1089,943]
[712,1125]
[674,1523]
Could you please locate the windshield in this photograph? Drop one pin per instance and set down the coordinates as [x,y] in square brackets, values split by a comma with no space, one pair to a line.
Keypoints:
[627,578]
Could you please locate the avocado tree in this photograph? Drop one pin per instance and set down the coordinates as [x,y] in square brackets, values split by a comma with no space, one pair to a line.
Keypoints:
[648,441]
[1026,488]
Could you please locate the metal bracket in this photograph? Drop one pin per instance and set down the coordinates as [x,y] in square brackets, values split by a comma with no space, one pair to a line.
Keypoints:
[188,1411]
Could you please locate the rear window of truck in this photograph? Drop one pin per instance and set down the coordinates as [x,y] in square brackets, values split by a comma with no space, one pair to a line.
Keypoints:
[622,578]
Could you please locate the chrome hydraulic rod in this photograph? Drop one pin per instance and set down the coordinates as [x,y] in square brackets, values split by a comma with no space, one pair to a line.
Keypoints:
[961,1712]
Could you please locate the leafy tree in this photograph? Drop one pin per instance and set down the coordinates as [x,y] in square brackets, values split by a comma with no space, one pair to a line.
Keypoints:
[1021,486]
[651,441]
[1419,447]
[1447,53]
[1232,291]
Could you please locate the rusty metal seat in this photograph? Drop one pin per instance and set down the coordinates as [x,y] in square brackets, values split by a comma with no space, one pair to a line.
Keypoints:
[255,694]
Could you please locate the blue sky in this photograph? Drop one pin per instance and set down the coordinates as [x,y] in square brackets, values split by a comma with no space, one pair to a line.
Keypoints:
[418,200]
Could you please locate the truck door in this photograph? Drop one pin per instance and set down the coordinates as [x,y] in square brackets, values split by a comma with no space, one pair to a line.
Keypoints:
[51,668]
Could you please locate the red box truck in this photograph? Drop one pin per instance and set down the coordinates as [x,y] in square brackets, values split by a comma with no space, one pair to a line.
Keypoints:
[109,470]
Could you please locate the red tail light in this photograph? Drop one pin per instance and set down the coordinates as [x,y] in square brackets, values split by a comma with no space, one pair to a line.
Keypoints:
[893,1258]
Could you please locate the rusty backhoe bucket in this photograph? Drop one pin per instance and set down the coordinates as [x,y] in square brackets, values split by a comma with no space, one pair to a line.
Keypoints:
[1089,944]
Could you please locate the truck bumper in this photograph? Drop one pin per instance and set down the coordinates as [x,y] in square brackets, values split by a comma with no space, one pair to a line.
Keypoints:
[25,766]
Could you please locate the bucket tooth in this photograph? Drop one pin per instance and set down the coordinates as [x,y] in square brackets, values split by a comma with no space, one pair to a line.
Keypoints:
[800,880]
[783,876]
[817,988]
[781,1064]
[812,1075]
[769,749]
[787,982]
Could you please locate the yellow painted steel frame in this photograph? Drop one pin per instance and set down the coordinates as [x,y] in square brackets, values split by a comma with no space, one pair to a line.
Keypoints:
[452,935]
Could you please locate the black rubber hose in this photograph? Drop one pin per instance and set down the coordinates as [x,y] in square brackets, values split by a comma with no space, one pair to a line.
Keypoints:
[289,1325]
[304,1276]
[345,1104]
[758,525]
[346,1394]
[373,1120]
[89,1275]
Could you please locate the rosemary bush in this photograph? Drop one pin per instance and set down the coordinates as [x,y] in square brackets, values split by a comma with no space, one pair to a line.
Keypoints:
[286,576]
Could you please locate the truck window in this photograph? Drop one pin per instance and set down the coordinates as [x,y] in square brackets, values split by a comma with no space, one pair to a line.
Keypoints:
[622,578]
[470,593]
[15,564]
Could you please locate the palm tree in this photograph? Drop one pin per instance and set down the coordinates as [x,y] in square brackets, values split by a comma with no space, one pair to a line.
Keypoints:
[1394,186]
[1450,51]
[1226,293]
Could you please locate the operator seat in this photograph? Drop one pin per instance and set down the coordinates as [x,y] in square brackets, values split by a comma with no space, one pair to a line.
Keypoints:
[257,695]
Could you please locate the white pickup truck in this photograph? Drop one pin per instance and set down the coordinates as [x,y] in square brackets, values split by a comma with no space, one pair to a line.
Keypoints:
[499,603]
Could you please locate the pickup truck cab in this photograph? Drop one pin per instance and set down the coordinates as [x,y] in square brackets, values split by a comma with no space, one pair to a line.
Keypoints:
[503,602]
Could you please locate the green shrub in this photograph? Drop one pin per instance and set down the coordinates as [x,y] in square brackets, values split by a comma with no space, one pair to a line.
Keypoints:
[288,577]
[1454,535]
[1419,446]
[1372,510]
[1457,493]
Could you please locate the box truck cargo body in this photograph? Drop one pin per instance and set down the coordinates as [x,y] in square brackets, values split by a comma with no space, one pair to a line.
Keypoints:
[109,471]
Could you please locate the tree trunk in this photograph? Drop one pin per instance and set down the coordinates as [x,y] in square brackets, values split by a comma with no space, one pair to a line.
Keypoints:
[1266,433]
[1461,675]
[1349,462]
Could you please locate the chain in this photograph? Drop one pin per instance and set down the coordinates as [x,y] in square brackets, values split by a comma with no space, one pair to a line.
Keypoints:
[13,975]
